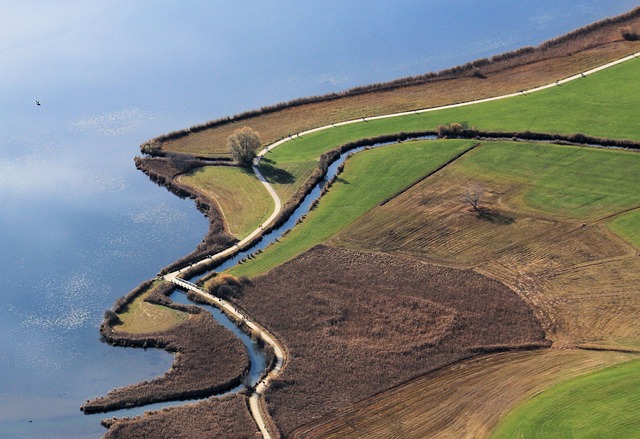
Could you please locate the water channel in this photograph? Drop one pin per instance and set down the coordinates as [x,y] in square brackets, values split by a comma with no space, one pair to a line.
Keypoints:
[256,354]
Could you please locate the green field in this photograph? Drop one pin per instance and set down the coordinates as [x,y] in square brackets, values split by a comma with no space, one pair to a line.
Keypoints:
[369,178]
[244,201]
[604,404]
[602,104]
[568,181]
[628,226]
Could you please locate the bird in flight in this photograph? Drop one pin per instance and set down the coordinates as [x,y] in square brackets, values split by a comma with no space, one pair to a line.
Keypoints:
[38,103]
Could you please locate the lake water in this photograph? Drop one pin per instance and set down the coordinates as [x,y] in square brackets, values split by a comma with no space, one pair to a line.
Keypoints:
[80,226]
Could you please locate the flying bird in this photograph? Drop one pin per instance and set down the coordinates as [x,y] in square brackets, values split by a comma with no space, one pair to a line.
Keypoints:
[38,103]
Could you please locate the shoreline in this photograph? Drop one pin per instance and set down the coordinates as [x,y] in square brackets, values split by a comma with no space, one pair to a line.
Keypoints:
[269,147]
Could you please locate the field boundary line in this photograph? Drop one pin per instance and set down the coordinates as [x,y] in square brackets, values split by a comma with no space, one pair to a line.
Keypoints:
[438,169]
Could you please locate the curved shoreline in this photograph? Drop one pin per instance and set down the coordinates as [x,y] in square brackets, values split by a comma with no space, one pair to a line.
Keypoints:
[279,350]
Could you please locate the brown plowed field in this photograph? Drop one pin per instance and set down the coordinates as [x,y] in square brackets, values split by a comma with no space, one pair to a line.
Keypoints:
[357,323]
[464,400]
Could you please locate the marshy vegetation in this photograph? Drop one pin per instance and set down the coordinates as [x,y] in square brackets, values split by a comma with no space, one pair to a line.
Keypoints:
[358,323]
[208,358]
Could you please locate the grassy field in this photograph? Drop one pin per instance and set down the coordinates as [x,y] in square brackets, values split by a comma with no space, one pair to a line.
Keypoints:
[286,176]
[464,400]
[142,317]
[602,404]
[628,226]
[565,181]
[369,178]
[243,200]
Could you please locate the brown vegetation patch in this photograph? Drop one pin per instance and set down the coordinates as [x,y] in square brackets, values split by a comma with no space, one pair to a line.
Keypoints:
[227,417]
[357,323]
[524,68]
[207,358]
[393,332]
[464,400]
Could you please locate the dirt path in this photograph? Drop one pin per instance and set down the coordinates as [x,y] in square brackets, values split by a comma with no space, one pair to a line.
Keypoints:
[259,414]
[278,350]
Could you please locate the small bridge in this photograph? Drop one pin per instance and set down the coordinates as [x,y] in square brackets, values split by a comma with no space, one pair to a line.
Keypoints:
[186,284]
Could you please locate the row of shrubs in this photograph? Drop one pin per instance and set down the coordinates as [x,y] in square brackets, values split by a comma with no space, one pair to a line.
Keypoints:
[568,43]
[462,130]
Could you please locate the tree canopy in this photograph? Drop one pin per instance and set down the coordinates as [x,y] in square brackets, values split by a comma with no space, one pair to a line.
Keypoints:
[243,144]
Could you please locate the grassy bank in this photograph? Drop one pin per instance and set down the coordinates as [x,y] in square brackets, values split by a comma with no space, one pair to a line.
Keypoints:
[242,199]
[141,317]
[369,178]
[601,404]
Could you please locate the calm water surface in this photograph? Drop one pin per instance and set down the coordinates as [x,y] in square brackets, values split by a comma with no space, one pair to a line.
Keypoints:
[80,227]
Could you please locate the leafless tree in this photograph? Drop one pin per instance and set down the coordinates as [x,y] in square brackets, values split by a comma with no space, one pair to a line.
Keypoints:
[473,196]
[243,144]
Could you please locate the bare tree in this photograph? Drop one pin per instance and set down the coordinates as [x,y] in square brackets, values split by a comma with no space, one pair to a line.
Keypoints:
[243,144]
[473,196]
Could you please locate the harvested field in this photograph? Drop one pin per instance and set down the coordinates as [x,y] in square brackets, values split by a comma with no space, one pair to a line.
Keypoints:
[580,278]
[359,323]
[464,400]
[208,359]
[227,417]
[501,76]
[241,198]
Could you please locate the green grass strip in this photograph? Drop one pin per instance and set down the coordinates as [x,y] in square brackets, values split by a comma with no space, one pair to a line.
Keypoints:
[369,178]
[603,404]
[603,104]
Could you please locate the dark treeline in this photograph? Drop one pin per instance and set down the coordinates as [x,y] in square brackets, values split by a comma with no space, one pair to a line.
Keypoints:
[456,130]
[208,358]
[580,39]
